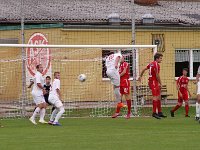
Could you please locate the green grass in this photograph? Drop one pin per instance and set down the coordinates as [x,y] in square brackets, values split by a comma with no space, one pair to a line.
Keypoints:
[177,133]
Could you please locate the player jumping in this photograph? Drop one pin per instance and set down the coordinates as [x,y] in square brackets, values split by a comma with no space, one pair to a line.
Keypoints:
[38,96]
[198,95]
[55,100]
[182,87]
[124,70]
[112,65]
[155,84]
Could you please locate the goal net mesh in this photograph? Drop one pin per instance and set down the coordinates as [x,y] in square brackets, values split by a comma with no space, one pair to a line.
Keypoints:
[92,98]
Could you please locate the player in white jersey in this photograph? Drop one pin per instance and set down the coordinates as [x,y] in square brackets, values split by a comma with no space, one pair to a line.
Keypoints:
[198,95]
[112,65]
[38,96]
[55,100]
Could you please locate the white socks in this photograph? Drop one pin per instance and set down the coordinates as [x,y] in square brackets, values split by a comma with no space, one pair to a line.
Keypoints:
[117,94]
[53,115]
[37,110]
[59,114]
[42,114]
[197,109]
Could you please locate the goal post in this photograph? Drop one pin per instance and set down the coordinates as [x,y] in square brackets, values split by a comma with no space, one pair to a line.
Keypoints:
[78,46]
[94,97]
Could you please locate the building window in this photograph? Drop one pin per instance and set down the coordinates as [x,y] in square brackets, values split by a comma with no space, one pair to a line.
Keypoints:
[159,40]
[187,58]
[182,60]
[128,58]
[196,61]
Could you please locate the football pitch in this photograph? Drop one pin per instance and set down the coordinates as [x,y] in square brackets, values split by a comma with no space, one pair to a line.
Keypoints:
[177,133]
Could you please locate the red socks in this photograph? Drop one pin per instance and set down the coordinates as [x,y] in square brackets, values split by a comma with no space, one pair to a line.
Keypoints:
[159,106]
[175,108]
[129,106]
[186,109]
[119,106]
[155,105]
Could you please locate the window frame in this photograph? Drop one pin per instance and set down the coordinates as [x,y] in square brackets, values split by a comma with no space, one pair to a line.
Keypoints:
[137,66]
[190,61]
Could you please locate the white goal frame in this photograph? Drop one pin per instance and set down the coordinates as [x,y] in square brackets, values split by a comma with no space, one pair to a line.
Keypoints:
[78,46]
[132,47]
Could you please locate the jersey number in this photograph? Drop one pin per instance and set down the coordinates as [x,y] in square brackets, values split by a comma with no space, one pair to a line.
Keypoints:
[150,71]
[111,57]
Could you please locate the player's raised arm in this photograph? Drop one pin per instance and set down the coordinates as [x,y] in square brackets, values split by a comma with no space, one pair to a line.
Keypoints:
[117,62]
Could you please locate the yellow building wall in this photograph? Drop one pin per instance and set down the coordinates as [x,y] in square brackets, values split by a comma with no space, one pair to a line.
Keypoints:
[94,88]
[174,39]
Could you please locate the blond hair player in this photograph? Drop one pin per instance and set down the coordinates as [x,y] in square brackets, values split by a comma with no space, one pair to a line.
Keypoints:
[55,100]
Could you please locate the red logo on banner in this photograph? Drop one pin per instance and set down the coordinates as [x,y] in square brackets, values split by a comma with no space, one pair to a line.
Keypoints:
[37,56]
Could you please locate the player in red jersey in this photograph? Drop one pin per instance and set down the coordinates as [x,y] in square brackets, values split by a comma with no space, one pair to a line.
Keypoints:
[155,84]
[182,87]
[124,88]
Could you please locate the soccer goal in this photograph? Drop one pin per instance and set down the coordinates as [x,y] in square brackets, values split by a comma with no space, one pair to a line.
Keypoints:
[92,98]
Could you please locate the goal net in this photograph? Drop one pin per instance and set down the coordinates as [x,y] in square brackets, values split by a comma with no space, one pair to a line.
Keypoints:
[92,98]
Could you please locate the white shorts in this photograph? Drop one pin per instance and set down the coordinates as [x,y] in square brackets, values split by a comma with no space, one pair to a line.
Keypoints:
[38,99]
[198,88]
[114,76]
[55,101]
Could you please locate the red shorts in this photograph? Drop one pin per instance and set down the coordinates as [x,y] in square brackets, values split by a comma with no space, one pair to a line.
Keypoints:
[124,90]
[155,88]
[184,97]
[125,87]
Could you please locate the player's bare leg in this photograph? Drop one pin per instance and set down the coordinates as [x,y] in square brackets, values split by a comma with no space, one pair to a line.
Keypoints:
[118,99]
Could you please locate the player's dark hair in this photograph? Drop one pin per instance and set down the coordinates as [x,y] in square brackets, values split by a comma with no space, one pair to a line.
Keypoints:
[48,77]
[157,56]
[56,73]
[110,53]
[186,69]
[38,66]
